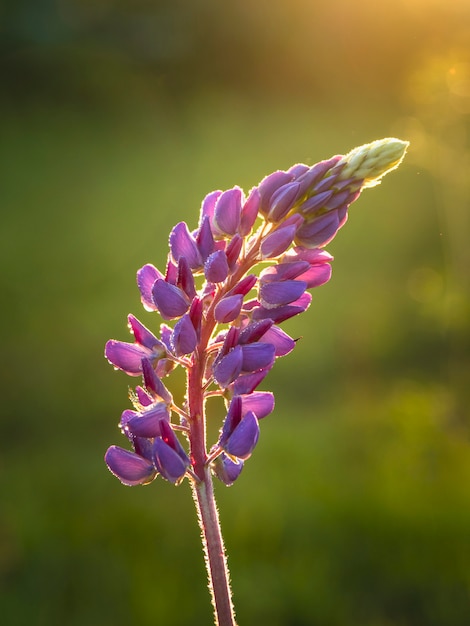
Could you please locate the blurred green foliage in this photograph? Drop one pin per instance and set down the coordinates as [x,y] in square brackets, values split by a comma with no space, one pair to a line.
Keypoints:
[117,118]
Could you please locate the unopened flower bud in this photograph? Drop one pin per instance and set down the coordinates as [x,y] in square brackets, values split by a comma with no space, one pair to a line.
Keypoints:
[282,201]
[170,458]
[183,244]
[372,161]
[169,299]
[216,267]
[228,210]
[183,337]
[243,439]
[228,309]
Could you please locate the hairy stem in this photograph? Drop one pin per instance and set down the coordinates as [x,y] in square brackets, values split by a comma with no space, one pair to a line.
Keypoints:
[203,493]
[214,552]
[203,489]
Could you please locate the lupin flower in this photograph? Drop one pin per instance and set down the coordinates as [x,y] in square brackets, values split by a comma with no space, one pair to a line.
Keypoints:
[240,432]
[224,327]
[128,356]
[169,456]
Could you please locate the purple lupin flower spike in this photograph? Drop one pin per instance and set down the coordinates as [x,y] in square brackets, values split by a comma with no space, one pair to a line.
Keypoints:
[224,328]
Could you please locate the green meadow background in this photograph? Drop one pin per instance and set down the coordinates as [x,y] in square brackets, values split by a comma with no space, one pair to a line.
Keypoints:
[117,117]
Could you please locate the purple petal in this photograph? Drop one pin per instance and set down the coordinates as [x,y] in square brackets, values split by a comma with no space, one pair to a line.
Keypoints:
[230,340]
[279,240]
[153,383]
[314,203]
[244,438]
[254,331]
[126,416]
[185,278]
[339,199]
[233,418]
[261,403]
[282,342]
[130,468]
[282,313]
[327,182]
[226,470]
[245,285]
[205,239]
[233,251]
[170,458]
[316,275]
[143,335]
[311,255]
[146,277]
[216,267]
[298,170]
[247,383]
[280,292]
[228,210]
[310,178]
[249,212]
[170,465]
[257,356]
[228,309]
[318,232]
[229,367]
[183,244]
[171,274]
[282,201]
[169,299]
[165,335]
[144,398]
[195,313]
[183,338]
[148,423]
[126,356]
[283,271]
[208,208]
[342,216]
[143,447]
[269,185]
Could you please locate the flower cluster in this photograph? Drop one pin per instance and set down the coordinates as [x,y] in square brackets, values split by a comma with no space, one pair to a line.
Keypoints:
[225,318]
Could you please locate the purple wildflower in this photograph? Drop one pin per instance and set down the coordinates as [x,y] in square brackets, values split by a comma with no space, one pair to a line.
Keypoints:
[223,328]
[224,317]
[128,356]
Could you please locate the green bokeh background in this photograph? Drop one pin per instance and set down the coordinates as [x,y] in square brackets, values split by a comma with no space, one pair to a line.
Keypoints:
[117,118]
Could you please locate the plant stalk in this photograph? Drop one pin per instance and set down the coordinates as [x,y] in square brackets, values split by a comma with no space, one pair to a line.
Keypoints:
[214,552]
[203,495]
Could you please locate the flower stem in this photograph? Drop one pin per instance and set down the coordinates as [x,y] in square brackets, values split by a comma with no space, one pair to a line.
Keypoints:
[203,489]
[203,495]
[215,558]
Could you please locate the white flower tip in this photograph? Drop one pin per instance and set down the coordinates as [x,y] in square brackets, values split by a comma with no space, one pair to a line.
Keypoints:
[372,161]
